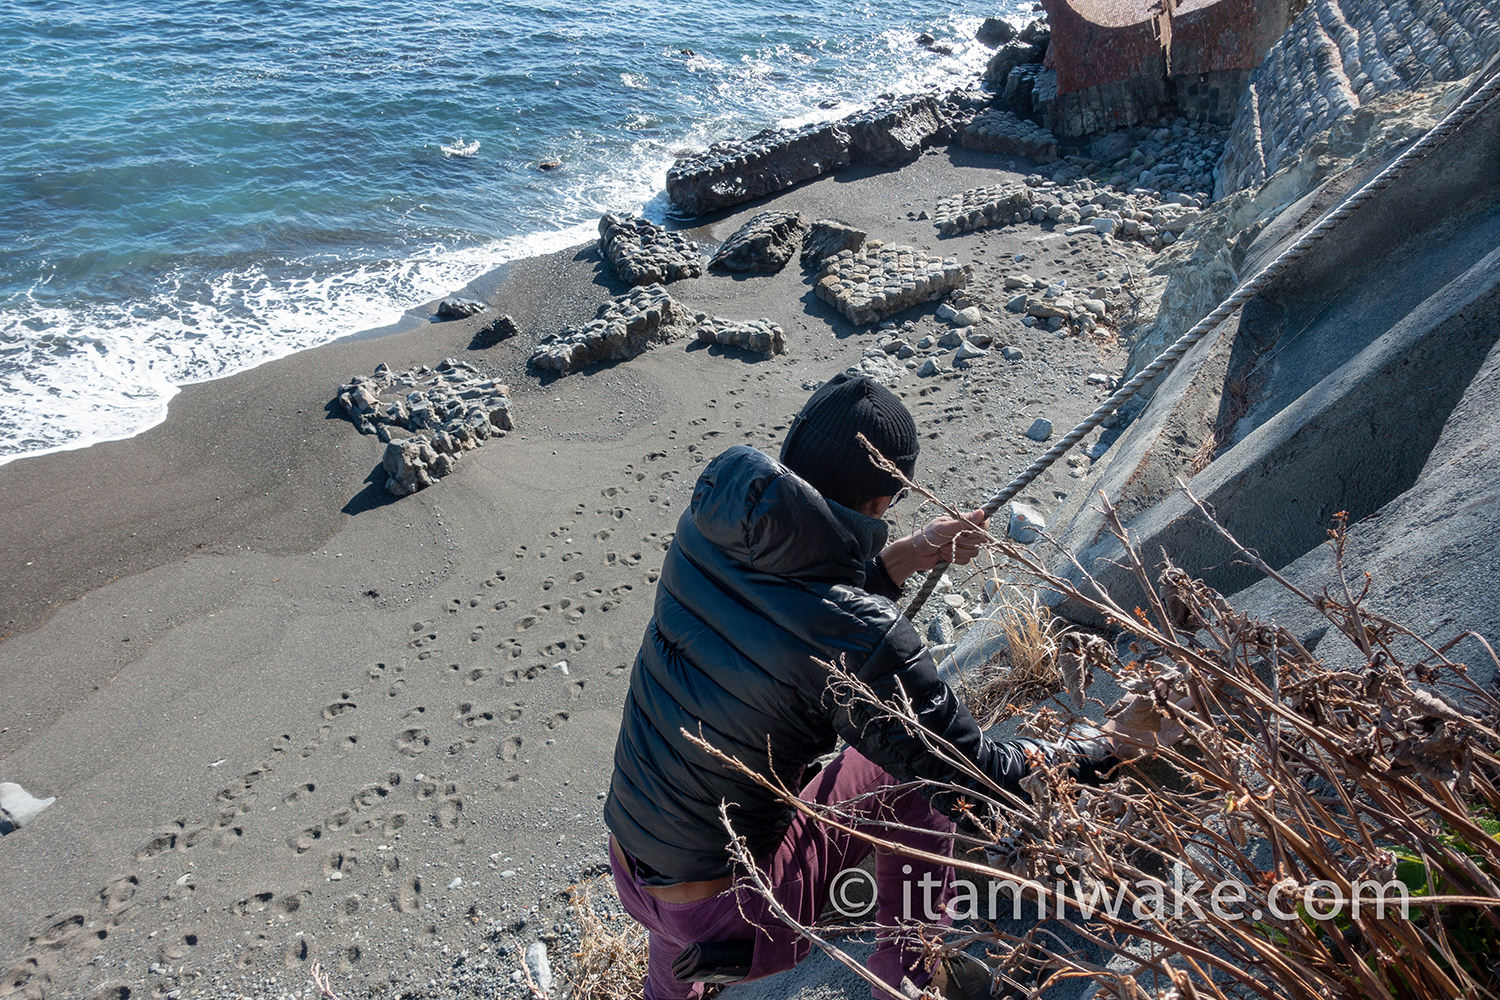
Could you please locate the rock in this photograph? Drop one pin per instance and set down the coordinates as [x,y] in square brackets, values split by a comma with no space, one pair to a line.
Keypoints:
[1009,56]
[759,336]
[968,352]
[539,966]
[407,466]
[1026,523]
[994,32]
[895,133]
[1017,303]
[731,173]
[1104,225]
[1012,353]
[1097,307]
[826,238]
[945,311]
[763,245]
[1002,131]
[1036,33]
[1043,308]
[1040,429]
[980,338]
[949,340]
[452,408]
[623,327]
[940,631]
[928,368]
[644,253]
[881,280]
[926,343]
[456,308]
[968,317]
[879,366]
[979,208]
[498,329]
[18,806]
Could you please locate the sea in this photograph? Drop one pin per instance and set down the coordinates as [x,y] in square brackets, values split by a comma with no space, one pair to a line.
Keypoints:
[189,188]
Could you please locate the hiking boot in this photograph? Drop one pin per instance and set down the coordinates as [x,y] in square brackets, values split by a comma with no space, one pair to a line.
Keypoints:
[957,977]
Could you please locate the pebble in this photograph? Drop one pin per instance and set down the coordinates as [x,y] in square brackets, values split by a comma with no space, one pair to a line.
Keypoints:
[1040,429]
[1012,353]
[967,352]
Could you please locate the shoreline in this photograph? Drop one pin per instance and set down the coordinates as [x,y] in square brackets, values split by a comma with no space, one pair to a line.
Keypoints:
[242,664]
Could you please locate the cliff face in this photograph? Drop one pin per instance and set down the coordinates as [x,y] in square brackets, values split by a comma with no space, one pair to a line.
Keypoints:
[1337,57]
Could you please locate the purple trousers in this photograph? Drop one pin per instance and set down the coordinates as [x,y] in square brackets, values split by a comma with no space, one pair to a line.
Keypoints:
[805,871]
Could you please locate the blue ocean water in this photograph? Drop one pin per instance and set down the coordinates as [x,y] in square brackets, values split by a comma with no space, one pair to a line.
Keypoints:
[192,187]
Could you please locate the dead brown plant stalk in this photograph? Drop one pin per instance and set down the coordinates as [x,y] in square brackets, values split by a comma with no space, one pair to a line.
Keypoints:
[1301,783]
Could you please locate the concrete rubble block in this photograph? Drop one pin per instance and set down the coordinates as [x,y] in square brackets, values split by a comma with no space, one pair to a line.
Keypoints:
[644,253]
[758,336]
[452,408]
[1002,131]
[880,281]
[763,245]
[730,173]
[895,133]
[623,327]
[826,238]
[980,208]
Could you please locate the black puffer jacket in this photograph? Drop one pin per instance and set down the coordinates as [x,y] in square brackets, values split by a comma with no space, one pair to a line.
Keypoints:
[764,584]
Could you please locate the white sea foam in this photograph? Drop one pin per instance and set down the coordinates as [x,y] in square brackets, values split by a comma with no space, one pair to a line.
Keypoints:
[93,372]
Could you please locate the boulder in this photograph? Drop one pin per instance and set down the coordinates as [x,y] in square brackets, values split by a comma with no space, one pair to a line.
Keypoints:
[763,245]
[643,253]
[623,327]
[1008,57]
[826,238]
[758,336]
[500,328]
[457,308]
[994,32]
[730,173]
[881,280]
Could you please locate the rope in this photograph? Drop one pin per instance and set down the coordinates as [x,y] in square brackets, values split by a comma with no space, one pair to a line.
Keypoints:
[1434,137]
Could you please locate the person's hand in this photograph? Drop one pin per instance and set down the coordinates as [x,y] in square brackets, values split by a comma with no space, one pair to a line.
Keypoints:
[950,539]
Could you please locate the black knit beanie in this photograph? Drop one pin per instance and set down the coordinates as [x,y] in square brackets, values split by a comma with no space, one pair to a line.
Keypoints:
[821,446]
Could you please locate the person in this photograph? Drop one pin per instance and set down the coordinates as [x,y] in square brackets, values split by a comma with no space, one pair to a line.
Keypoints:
[778,573]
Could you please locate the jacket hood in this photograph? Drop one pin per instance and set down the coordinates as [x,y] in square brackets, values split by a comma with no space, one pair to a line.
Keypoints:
[764,516]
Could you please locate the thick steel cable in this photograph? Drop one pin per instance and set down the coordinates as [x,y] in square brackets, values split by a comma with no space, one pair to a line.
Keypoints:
[1247,290]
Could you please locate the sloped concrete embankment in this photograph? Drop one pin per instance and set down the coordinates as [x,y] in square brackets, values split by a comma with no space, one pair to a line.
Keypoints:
[1337,57]
[1362,380]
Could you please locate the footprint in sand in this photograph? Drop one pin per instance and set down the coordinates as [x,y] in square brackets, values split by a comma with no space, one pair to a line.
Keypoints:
[338,820]
[117,895]
[338,708]
[375,792]
[304,841]
[349,956]
[347,909]
[183,888]
[180,949]
[286,906]
[408,898]
[340,864]
[300,792]
[297,951]
[557,719]
[472,716]
[509,747]
[449,812]
[476,675]
[159,844]
[253,904]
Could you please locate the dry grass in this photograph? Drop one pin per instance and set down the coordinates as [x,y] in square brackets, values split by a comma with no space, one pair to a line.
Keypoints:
[1028,666]
[611,959]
